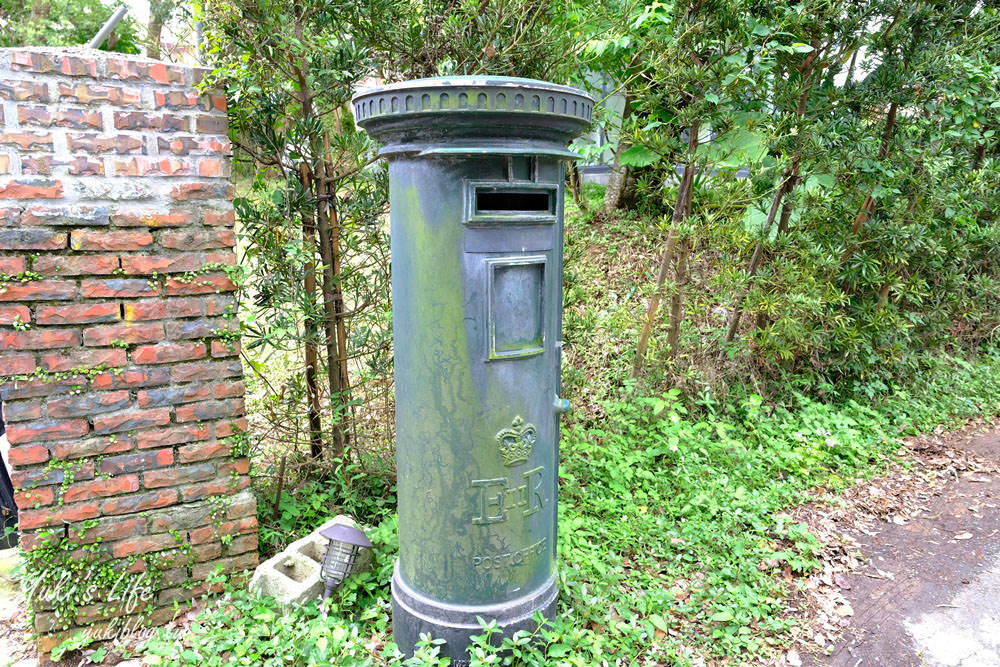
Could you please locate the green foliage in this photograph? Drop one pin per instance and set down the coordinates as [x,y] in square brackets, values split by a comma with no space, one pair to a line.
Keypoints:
[672,534]
[358,490]
[62,23]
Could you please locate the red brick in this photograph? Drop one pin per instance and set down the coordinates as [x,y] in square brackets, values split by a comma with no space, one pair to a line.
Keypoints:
[84,313]
[86,405]
[87,93]
[162,309]
[117,288]
[35,497]
[213,168]
[202,191]
[140,502]
[203,571]
[168,353]
[147,166]
[100,488]
[31,239]
[51,429]
[242,545]
[205,552]
[177,435]
[78,449]
[229,389]
[19,411]
[198,240]
[42,63]
[206,370]
[140,120]
[210,102]
[202,451]
[180,145]
[179,263]
[12,314]
[85,239]
[178,476]
[143,544]
[230,427]
[153,218]
[27,455]
[81,166]
[220,218]
[167,396]
[24,91]
[175,99]
[59,265]
[225,348]
[239,466]
[10,217]
[186,329]
[208,410]
[131,70]
[12,266]
[128,421]
[126,333]
[38,290]
[57,363]
[46,339]
[218,487]
[121,144]
[43,387]
[49,117]
[223,304]
[65,215]
[203,284]
[211,124]
[138,377]
[39,141]
[17,364]
[30,519]
[35,477]
[214,531]
[116,465]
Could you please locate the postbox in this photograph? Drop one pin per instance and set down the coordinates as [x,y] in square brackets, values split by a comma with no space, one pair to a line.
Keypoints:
[476,170]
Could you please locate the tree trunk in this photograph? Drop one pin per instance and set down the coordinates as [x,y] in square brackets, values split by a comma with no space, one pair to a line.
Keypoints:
[331,275]
[681,206]
[677,299]
[786,186]
[155,30]
[619,174]
[575,186]
[311,330]
[868,206]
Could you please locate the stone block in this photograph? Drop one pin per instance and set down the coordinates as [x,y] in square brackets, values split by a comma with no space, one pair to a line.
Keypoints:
[293,576]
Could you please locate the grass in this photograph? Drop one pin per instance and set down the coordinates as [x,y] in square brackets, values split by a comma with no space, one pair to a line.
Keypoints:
[672,539]
[674,542]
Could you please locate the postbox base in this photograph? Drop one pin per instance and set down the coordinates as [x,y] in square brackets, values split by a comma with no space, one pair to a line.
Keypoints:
[414,613]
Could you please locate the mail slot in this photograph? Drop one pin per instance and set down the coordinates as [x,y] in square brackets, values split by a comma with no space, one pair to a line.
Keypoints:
[476,171]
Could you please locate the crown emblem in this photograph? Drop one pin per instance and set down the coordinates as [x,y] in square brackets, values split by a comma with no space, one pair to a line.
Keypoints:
[516,442]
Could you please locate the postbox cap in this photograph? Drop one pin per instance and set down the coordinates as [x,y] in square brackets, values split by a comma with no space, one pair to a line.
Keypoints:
[474,114]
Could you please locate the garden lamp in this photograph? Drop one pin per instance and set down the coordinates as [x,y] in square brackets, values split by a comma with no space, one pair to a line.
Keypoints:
[346,542]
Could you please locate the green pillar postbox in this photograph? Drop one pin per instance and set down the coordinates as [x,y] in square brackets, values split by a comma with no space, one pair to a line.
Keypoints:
[476,207]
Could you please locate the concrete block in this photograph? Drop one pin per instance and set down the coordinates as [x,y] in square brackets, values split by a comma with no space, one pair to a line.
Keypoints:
[293,576]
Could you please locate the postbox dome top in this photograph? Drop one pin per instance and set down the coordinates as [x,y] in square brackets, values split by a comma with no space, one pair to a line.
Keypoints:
[506,114]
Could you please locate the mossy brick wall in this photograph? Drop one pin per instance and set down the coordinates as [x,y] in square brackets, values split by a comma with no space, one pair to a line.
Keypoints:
[121,384]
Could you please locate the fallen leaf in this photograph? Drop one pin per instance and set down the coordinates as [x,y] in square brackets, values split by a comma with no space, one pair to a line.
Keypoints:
[793,658]
[963,536]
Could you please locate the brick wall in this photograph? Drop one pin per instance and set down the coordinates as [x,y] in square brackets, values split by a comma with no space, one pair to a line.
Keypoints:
[121,389]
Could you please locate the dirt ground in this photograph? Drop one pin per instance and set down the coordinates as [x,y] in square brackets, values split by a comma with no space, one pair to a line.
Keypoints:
[912,562]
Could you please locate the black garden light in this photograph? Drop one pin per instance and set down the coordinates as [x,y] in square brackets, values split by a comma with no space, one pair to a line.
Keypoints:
[346,543]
